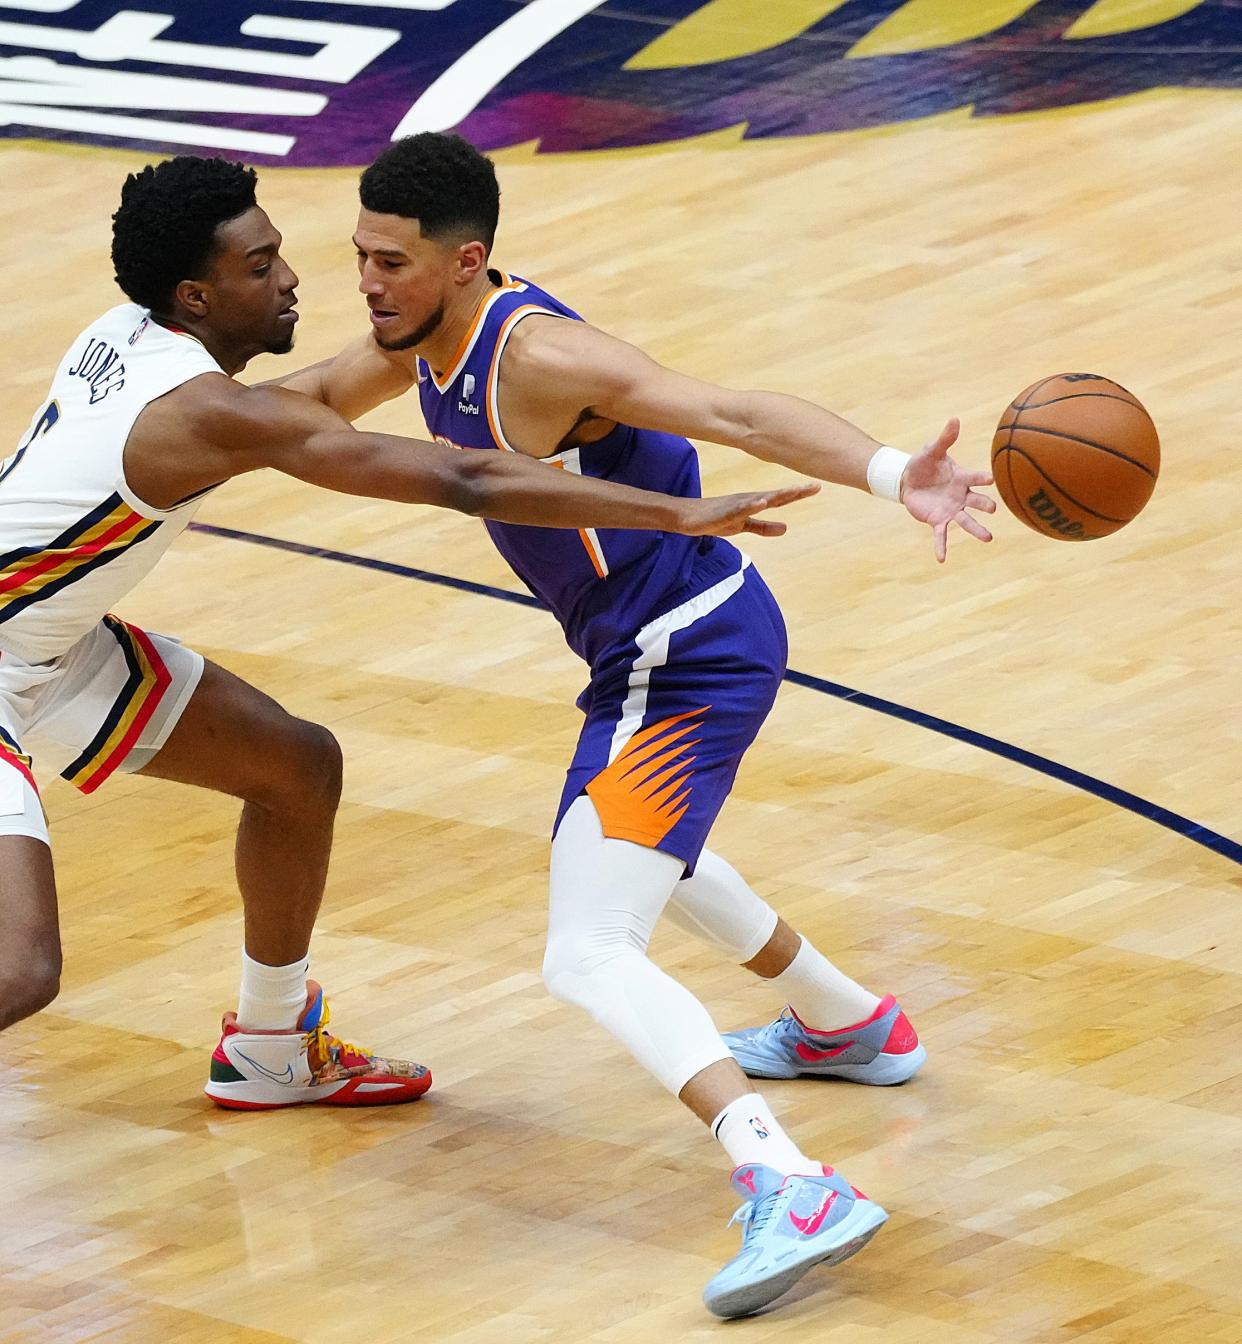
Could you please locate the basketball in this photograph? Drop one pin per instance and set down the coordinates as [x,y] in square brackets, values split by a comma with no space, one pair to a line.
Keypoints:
[1075,456]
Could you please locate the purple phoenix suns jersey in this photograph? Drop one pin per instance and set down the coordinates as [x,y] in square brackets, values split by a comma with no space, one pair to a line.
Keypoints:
[603,584]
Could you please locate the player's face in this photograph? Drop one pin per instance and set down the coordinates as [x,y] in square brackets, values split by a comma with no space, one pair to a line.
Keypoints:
[254,305]
[406,278]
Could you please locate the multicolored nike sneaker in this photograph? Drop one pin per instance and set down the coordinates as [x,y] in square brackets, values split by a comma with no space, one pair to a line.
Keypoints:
[261,1070]
[789,1225]
[881,1051]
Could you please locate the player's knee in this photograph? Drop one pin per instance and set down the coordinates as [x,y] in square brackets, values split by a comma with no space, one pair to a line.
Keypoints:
[565,968]
[43,981]
[29,983]
[325,765]
[575,965]
[304,773]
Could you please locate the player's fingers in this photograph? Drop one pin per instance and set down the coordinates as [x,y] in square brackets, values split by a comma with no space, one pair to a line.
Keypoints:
[939,447]
[984,503]
[973,526]
[940,534]
[977,478]
[761,527]
[787,494]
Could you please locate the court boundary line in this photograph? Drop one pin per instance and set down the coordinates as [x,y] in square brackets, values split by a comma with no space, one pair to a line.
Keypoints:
[1066,774]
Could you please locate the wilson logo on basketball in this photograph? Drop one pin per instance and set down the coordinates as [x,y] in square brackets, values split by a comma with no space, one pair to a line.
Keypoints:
[322,84]
[1046,510]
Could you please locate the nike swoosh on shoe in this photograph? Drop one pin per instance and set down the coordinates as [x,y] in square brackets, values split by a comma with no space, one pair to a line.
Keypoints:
[809,1226]
[286,1077]
[813,1056]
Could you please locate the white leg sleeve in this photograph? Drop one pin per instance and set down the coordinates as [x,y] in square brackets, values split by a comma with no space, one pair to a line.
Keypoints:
[606,897]
[717,906]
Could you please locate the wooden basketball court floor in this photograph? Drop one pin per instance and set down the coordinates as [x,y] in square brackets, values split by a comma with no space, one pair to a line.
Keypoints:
[1066,1167]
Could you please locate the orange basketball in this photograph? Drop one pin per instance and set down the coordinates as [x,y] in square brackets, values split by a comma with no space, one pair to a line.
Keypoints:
[1075,456]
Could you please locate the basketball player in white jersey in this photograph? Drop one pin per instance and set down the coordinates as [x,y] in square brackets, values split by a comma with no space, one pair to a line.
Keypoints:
[144,418]
[686,648]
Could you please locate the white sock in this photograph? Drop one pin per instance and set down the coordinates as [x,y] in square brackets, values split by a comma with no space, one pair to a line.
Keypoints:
[717,905]
[820,994]
[749,1132]
[272,997]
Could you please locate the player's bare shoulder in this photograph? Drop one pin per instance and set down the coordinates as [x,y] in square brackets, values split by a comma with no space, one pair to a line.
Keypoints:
[555,367]
[539,347]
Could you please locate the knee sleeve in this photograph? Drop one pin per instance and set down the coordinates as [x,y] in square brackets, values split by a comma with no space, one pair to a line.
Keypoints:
[606,897]
[717,906]
[574,957]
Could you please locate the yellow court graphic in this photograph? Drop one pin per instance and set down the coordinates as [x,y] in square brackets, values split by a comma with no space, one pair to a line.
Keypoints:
[1108,17]
[723,30]
[924,24]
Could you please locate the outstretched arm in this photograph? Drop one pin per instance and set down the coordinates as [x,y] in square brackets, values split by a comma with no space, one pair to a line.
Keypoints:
[555,370]
[357,380]
[213,428]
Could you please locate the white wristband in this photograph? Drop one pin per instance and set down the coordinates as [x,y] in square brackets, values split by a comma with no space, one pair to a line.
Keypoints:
[884,472]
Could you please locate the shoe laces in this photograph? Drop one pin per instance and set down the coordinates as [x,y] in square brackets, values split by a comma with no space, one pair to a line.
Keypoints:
[786,1025]
[326,1046]
[755,1214]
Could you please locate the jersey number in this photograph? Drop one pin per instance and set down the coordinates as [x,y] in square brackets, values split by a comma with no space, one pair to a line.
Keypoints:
[51,413]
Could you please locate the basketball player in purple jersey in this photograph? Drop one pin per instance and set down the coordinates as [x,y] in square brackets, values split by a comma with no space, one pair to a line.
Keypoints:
[686,649]
[143,419]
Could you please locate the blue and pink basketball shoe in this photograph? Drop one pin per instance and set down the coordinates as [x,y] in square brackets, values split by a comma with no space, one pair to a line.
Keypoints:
[881,1051]
[789,1225]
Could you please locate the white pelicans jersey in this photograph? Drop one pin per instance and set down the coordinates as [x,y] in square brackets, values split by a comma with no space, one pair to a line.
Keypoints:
[74,538]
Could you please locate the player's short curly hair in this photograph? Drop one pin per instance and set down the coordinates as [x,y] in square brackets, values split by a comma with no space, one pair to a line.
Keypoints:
[164,231]
[440,180]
